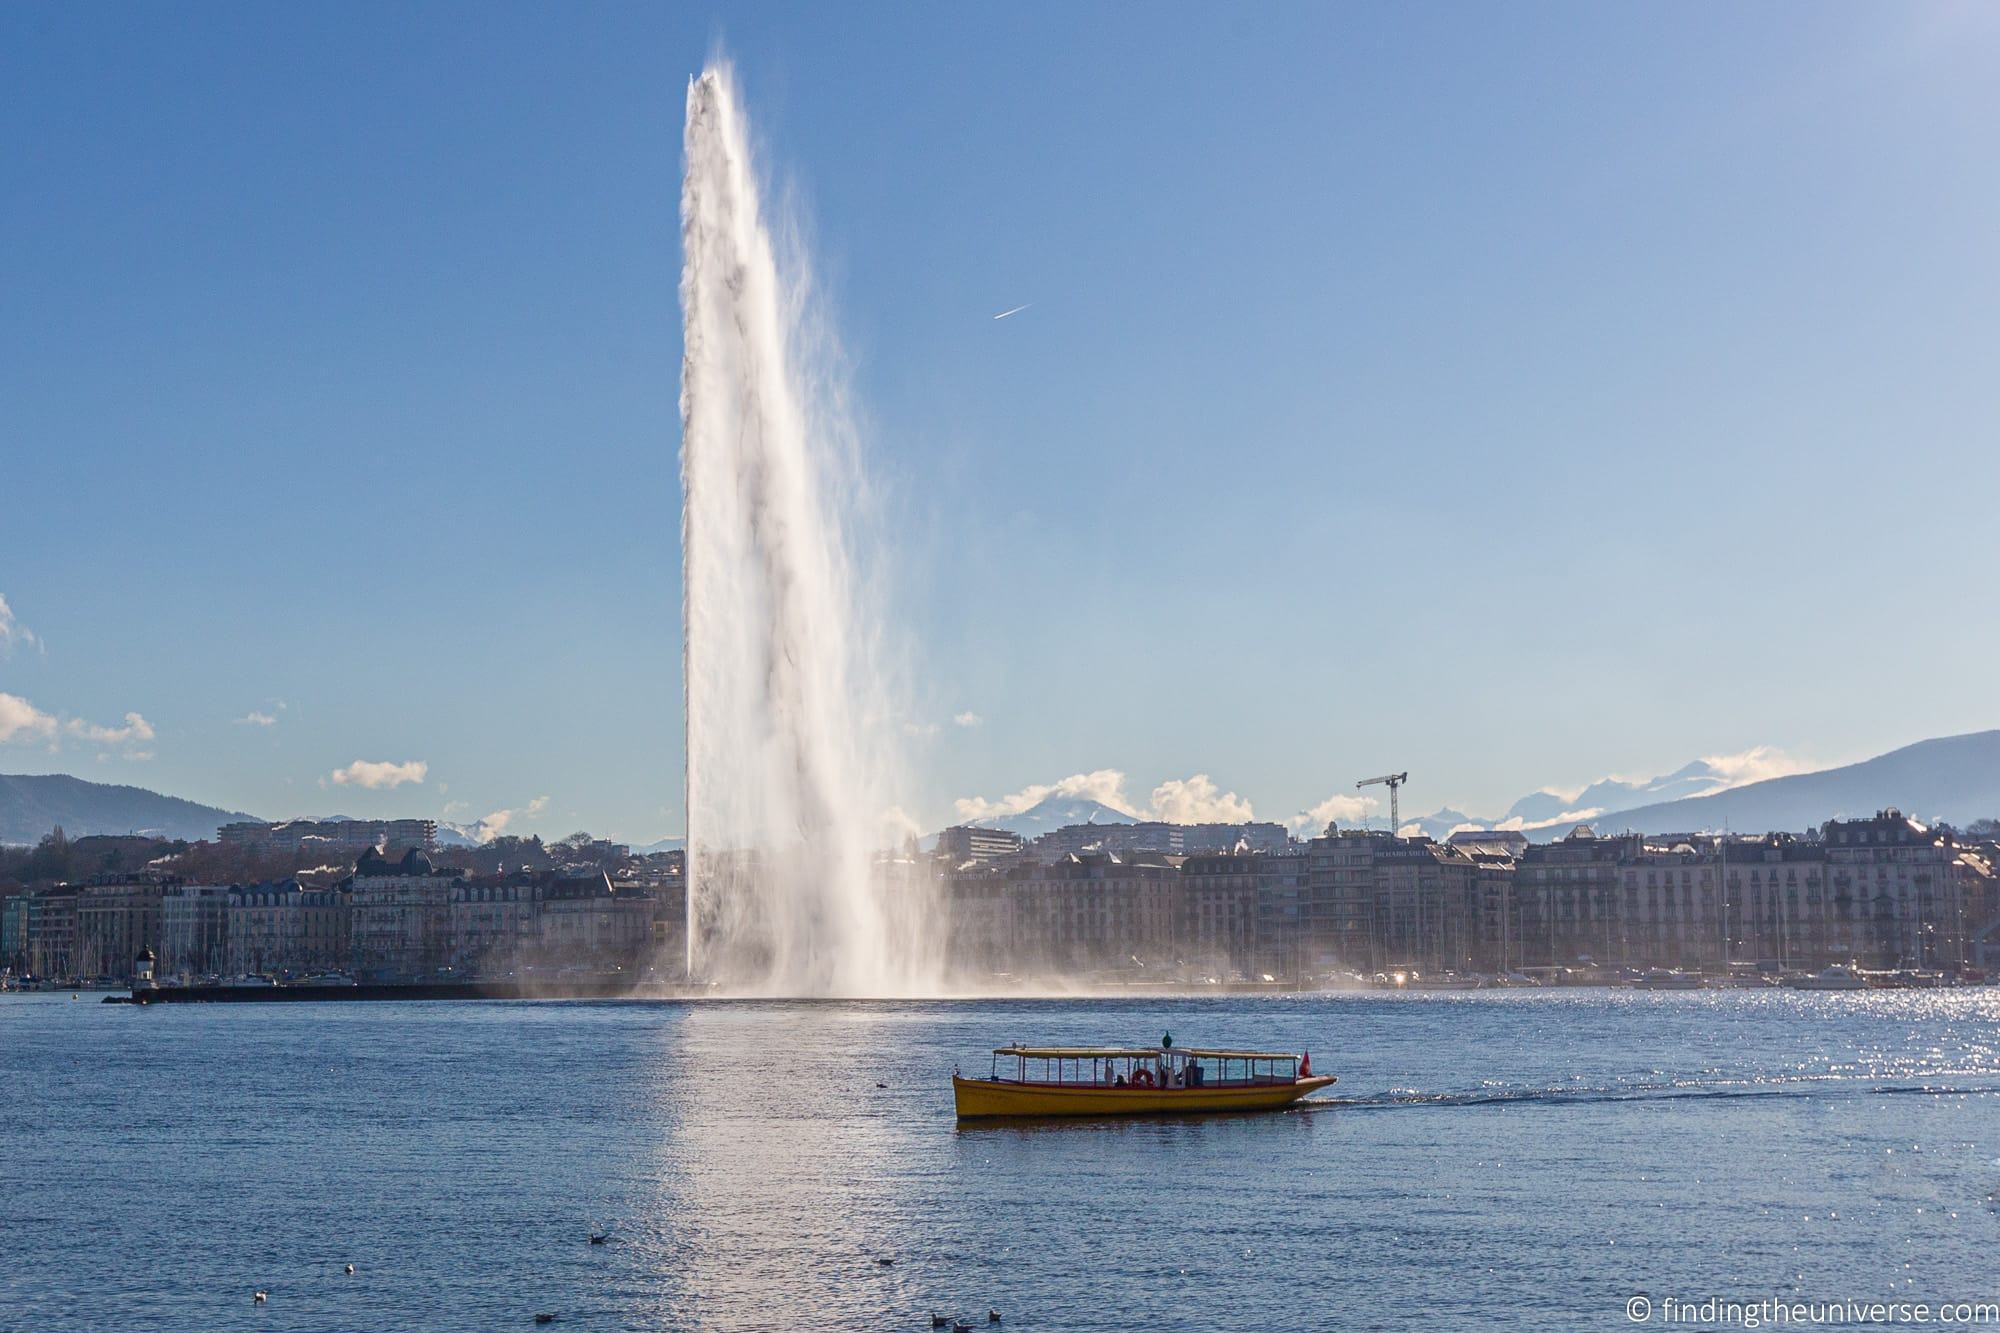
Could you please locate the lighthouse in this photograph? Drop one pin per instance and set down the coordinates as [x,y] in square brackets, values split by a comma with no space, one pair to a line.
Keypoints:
[142,970]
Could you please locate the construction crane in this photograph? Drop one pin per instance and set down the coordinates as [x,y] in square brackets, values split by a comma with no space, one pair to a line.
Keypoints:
[1391,781]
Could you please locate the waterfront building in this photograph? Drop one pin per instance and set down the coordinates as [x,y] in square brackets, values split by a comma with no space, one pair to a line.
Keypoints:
[1283,883]
[1776,906]
[285,927]
[115,919]
[402,921]
[194,930]
[1977,870]
[1218,911]
[1565,897]
[1893,891]
[1093,911]
[583,920]
[1376,902]
[495,921]
[14,932]
[52,932]
[1497,945]
[1885,892]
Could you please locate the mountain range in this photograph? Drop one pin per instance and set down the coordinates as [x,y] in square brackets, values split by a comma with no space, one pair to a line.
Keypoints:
[33,803]
[1951,779]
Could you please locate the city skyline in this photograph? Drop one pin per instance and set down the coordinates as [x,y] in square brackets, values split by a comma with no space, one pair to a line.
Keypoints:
[1545,457]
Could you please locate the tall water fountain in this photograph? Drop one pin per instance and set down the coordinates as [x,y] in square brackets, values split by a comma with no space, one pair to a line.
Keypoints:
[789,749]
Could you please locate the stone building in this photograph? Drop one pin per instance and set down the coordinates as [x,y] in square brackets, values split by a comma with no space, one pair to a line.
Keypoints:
[284,927]
[14,932]
[402,920]
[115,919]
[496,922]
[194,930]
[1375,901]
[1218,909]
[1894,896]
[583,921]
[1565,898]
[51,930]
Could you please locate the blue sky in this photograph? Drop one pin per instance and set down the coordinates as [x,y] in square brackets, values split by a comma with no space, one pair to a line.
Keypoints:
[1514,395]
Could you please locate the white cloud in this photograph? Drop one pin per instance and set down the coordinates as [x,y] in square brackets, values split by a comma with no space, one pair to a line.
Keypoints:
[1756,764]
[22,721]
[1333,810]
[257,718]
[1194,800]
[1105,786]
[1519,825]
[495,824]
[1197,800]
[378,774]
[966,719]
[13,632]
[136,730]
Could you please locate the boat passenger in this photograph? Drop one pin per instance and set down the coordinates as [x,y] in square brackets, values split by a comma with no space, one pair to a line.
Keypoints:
[1118,1082]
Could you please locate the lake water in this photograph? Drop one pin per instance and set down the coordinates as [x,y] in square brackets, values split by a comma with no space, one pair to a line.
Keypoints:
[1500,1159]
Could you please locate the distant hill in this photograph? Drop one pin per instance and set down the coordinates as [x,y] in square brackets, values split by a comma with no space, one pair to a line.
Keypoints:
[32,804]
[1054,812]
[1953,779]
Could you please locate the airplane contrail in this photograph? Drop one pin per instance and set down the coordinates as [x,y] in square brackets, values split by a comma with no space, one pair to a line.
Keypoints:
[1015,311]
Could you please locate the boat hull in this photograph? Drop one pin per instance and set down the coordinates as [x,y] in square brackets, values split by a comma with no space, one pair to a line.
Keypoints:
[981,1099]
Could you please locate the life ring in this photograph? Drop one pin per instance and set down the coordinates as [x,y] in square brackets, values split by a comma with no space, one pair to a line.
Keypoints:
[1142,1078]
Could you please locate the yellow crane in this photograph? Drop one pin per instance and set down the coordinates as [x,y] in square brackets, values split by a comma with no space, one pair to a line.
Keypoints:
[1391,781]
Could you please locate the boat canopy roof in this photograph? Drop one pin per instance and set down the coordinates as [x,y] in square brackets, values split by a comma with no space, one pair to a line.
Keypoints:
[1139,1053]
[1075,1052]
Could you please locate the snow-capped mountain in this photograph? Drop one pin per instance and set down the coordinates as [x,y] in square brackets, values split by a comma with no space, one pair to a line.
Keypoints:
[1054,812]
[1953,779]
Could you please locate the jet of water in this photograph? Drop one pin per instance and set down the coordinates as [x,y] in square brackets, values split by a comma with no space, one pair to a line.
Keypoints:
[789,751]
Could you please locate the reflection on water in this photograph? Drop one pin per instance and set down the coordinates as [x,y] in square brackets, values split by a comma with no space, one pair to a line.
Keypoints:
[1511,1158]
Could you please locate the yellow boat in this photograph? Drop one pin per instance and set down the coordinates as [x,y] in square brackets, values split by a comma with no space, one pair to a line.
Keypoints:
[1165,1080]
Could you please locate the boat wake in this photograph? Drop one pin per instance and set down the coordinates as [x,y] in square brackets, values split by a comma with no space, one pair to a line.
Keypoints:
[1690,1091]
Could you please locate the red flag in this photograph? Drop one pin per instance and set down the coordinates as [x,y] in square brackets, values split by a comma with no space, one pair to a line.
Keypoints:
[1306,1065]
